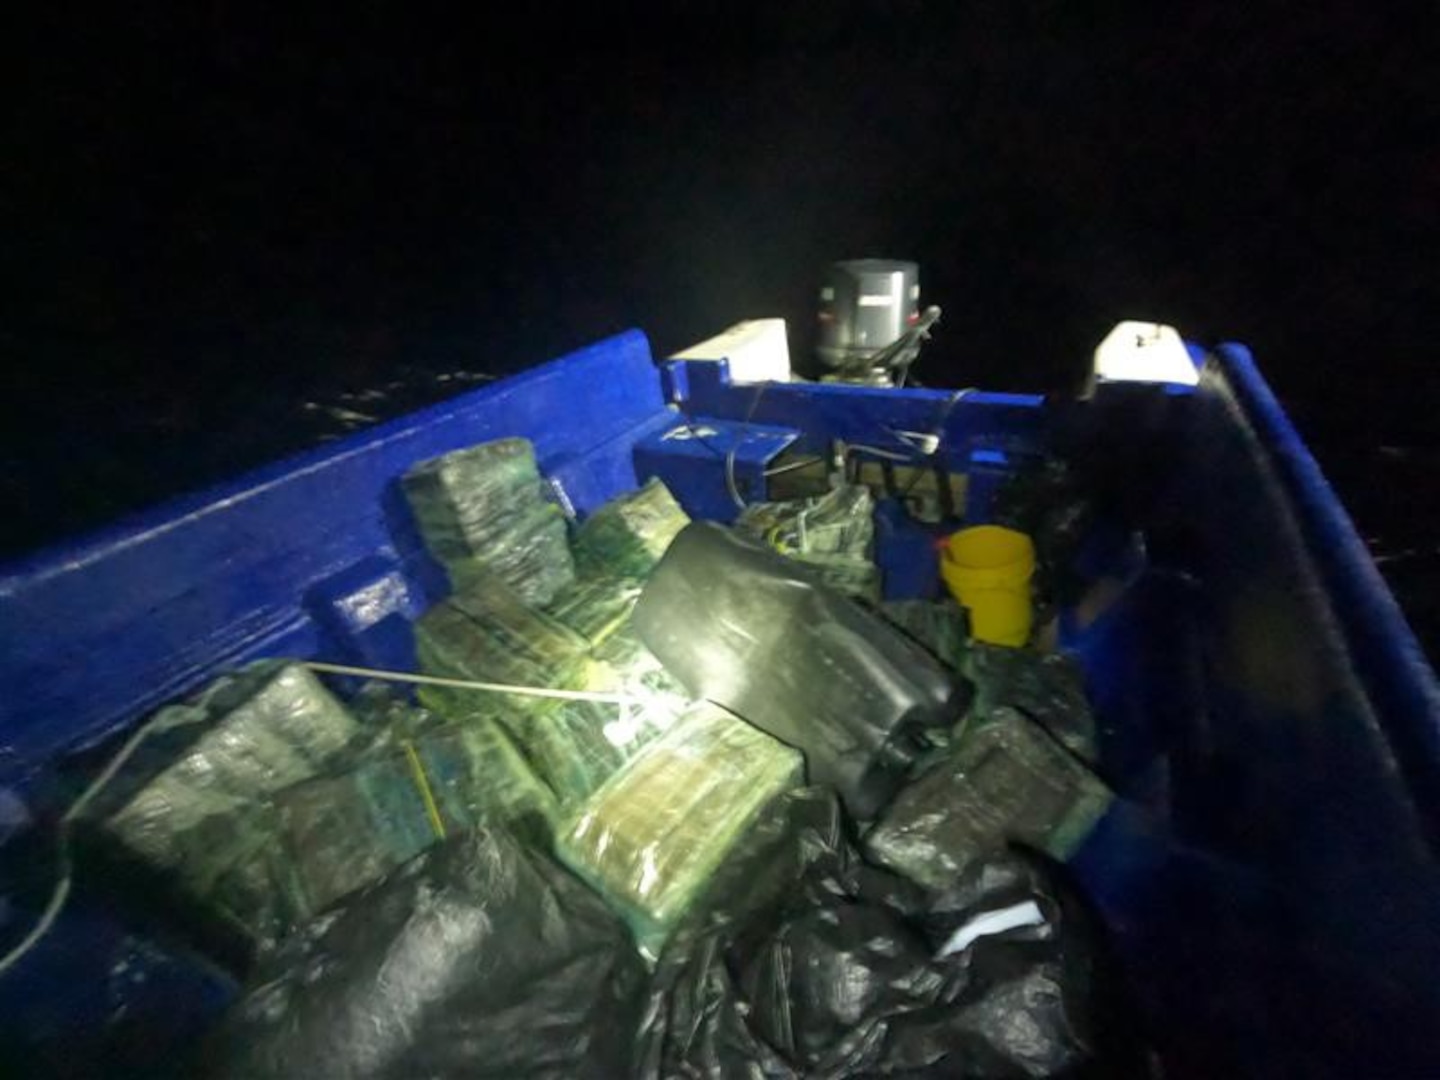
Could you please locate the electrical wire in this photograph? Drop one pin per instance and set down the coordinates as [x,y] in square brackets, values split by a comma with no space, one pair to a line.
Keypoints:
[727,457]
[793,466]
[938,430]
[730,485]
[876,451]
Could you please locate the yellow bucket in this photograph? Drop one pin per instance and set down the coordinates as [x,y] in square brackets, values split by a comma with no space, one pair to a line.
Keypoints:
[988,570]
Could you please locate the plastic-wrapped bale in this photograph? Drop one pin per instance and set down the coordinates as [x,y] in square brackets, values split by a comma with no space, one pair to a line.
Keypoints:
[341,833]
[628,535]
[1005,781]
[483,514]
[939,626]
[834,533]
[182,829]
[632,668]
[488,634]
[578,745]
[595,607]
[650,838]
[245,737]
[1049,688]
[480,958]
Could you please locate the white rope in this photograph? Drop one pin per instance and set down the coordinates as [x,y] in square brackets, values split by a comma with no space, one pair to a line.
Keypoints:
[469,684]
[61,892]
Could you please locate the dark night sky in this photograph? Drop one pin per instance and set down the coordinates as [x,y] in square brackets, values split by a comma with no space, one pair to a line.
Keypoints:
[213,217]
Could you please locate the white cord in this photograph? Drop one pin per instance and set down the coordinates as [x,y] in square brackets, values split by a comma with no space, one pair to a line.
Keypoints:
[468,684]
[61,893]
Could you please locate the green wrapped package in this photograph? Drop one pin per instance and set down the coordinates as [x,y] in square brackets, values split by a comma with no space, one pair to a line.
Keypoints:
[584,743]
[263,802]
[628,535]
[276,862]
[833,533]
[484,516]
[340,833]
[569,745]
[245,736]
[651,837]
[627,665]
[490,635]
[183,823]
[1049,688]
[595,607]
[1004,781]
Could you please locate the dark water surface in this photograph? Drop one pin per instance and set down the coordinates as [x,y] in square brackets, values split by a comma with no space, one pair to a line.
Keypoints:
[232,234]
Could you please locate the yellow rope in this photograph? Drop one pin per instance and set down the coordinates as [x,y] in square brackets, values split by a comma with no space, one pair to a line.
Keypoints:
[422,782]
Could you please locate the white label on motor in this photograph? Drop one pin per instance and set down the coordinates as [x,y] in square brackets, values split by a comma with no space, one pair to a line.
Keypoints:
[879,300]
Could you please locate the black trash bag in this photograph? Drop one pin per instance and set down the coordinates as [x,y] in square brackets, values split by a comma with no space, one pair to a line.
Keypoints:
[480,958]
[1034,986]
[760,635]
[806,962]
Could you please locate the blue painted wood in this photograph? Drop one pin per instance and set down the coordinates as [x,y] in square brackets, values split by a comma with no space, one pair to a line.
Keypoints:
[691,459]
[100,630]
[964,420]
[1269,711]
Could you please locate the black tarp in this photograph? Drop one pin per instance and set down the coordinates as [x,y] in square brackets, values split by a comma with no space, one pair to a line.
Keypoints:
[757,633]
[807,962]
[480,958]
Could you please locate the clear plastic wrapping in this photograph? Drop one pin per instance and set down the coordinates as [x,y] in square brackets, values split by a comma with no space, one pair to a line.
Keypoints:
[834,533]
[651,837]
[484,515]
[250,852]
[342,832]
[184,827]
[628,535]
[249,734]
[595,607]
[1005,780]
[489,634]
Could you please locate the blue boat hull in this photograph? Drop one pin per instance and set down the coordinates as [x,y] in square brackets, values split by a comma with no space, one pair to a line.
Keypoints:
[1270,875]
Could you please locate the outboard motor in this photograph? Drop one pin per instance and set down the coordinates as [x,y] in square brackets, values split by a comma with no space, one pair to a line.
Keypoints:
[871,326]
